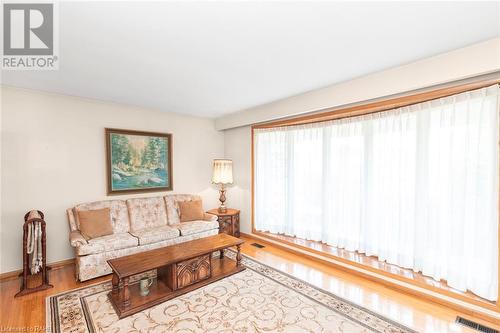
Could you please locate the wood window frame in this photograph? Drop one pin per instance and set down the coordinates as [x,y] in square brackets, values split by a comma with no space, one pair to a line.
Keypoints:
[364,109]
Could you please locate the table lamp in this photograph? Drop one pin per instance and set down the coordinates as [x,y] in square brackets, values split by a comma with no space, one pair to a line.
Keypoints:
[222,175]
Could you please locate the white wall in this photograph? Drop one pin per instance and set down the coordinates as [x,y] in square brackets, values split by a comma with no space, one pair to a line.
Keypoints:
[475,60]
[53,157]
[238,144]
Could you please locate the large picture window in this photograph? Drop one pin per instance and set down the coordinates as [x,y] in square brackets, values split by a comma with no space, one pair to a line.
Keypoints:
[416,186]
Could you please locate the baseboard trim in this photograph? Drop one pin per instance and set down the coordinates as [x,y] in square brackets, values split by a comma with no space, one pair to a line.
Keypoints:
[400,286]
[54,265]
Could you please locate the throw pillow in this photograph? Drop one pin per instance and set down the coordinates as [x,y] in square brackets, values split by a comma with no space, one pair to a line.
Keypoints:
[95,223]
[190,210]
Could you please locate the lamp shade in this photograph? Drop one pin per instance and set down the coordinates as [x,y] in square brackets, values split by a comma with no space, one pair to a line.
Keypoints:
[222,171]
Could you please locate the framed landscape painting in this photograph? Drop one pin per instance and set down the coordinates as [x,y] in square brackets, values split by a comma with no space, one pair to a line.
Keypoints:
[138,161]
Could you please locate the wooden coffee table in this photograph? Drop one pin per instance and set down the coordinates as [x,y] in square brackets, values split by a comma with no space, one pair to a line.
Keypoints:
[181,268]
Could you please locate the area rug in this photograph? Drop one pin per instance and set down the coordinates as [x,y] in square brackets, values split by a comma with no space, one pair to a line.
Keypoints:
[259,299]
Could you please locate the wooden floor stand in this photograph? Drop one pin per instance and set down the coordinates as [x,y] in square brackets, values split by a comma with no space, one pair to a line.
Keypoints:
[29,218]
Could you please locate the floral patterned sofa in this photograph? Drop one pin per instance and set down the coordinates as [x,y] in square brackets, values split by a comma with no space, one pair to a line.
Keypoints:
[139,224]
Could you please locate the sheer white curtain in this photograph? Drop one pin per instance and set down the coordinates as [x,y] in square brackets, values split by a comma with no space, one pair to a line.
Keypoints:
[416,186]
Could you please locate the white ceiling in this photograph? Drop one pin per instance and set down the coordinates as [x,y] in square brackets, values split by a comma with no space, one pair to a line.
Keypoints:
[213,58]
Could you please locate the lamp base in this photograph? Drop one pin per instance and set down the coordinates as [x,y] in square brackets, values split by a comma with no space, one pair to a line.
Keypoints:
[222,199]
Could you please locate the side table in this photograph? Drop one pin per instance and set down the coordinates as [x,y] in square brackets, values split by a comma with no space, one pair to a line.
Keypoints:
[229,222]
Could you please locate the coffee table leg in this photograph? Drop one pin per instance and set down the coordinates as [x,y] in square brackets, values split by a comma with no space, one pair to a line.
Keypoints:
[221,256]
[116,283]
[125,293]
[238,255]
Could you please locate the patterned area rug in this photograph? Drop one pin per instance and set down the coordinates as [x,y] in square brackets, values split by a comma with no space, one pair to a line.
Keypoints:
[259,299]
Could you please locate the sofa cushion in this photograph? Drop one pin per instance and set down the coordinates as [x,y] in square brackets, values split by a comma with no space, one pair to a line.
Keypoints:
[95,223]
[193,227]
[118,212]
[107,243]
[154,235]
[171,202]
[146,213]
[191,210]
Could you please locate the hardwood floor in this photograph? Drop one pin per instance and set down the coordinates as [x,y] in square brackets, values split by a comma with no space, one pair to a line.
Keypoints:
[373,262]
[27,314]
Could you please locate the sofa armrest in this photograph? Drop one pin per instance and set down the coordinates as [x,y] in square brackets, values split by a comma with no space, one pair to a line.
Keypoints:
[210,217]
[76,239]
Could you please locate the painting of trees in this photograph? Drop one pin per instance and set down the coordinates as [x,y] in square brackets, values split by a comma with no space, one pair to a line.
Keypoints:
[138,161]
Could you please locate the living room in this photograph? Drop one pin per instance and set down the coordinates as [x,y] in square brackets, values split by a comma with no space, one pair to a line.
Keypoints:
[311,166]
